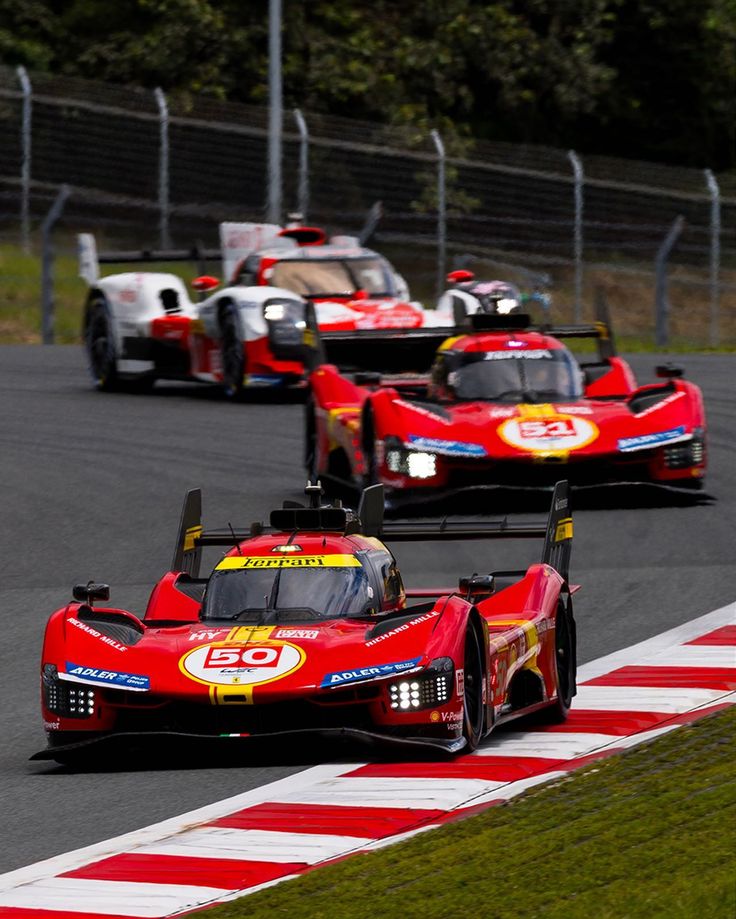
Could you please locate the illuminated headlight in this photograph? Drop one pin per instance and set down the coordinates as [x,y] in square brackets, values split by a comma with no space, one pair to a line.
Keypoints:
[393,460]
[274,311]
[506,305]
[421,465]
[683,455]
[427,690]
[411,463]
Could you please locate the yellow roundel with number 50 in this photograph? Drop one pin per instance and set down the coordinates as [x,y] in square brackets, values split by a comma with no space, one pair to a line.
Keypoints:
[547,433]
[229,664]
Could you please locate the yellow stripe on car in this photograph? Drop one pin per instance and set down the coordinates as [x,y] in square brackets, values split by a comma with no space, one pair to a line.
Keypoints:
[302,561]
[564,529]
[192,534]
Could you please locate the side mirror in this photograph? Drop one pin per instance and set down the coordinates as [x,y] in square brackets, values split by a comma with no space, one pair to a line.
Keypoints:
[669,371]
[461,276]
[205,283]
[478,584]
[89,592]
[367,378]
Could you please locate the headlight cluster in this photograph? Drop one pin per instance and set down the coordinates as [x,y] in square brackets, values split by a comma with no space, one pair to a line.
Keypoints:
[277,312]
[427,690]
[415,464]
[71,700]
[683,455]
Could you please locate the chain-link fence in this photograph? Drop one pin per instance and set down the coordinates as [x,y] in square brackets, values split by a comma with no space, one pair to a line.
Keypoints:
[146,172]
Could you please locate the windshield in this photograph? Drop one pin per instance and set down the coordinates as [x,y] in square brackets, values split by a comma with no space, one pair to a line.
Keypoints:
[539,375]
[334,277]
[277,594]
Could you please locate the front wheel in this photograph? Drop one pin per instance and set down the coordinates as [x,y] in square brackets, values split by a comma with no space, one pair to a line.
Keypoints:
[565,666]
[231,353]
[473,719]
[99,343]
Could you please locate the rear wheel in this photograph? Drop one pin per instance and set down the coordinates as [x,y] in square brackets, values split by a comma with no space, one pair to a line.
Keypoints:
[473,693]
[565,665]
[99,343]
[231,353]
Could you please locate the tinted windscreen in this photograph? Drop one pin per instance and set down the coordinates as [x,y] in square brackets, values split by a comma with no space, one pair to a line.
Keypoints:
[530,376]
[335,277]
[291,593]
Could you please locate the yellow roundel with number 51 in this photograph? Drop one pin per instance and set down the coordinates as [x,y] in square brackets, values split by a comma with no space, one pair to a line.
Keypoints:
[547,431]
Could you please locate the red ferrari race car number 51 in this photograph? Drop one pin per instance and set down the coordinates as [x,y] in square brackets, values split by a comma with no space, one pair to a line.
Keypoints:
[555,432]
[559,427]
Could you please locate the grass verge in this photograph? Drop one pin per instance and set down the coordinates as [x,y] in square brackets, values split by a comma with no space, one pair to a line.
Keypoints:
[648,833]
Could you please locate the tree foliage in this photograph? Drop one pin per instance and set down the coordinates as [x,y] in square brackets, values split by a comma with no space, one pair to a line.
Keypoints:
[644,78]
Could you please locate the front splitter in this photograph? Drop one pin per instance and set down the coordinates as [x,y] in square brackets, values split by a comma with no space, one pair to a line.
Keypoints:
[109,743]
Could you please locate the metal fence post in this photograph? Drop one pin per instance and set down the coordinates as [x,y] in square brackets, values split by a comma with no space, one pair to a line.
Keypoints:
[577,168]
[661,300]
[441,213]
[47,265]
[163,168]
[25,163]
[303,186]
[275,112]
[715,257]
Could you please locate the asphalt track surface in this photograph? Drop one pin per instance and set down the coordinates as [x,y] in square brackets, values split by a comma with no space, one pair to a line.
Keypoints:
[92,486]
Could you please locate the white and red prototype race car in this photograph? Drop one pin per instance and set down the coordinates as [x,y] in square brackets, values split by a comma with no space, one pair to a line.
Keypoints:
[142,326]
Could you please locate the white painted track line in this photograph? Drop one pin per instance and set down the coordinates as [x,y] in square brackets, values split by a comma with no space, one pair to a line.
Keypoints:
[644,698]
[110,897]
[256,845]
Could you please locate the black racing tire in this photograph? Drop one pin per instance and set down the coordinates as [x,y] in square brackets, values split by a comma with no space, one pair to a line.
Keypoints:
[473,714]
[99,344]
[565,666]
[231,352]
[311,440]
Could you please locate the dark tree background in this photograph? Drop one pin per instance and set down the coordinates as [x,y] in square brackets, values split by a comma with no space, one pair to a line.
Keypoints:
[653,79]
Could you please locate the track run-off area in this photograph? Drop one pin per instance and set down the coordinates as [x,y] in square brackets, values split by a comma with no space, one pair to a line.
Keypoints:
[92,487]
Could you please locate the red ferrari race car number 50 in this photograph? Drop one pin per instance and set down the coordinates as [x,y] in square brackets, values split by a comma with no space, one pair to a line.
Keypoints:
[245,657]
[227,664]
